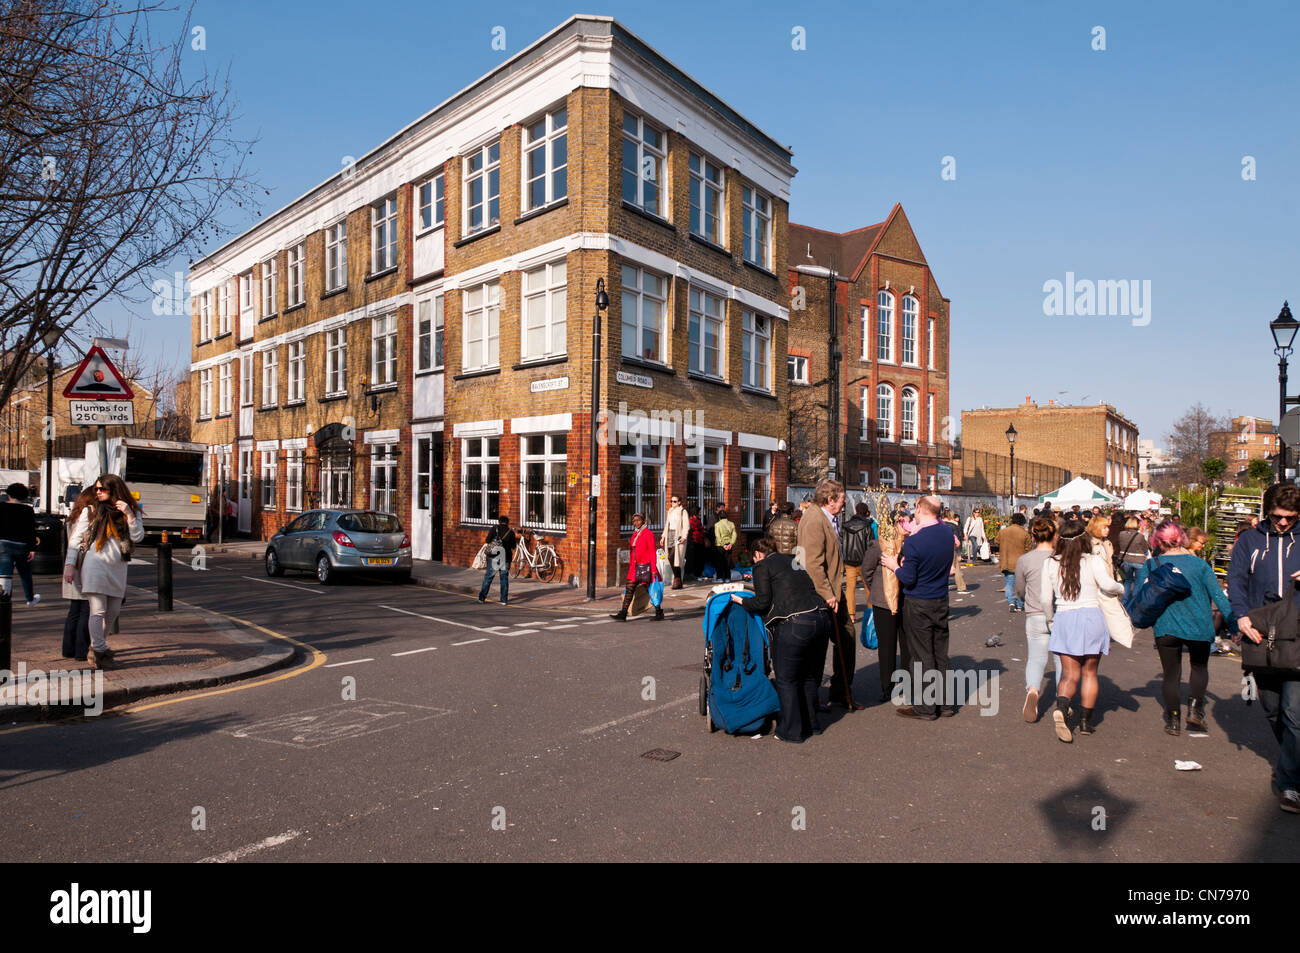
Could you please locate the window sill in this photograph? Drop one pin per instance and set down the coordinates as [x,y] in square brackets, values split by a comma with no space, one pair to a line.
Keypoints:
[225,416]
[718,381]
[485,372]
[224,334]
[430,371]
[330,398]
[649,365]
[270,317]
[481,233]
[302,402]
[720,249]
[333,292]
[382,389]
[549,532]
[758,268]
[800,383]
[295,307]
[649,216]
[542,210]
[264,409]
[202,420]
[426,277]
[380,274]
[425,232]
[540,362]
[757,392]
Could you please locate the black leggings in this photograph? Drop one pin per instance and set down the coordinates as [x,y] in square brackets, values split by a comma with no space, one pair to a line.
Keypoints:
[1171,648]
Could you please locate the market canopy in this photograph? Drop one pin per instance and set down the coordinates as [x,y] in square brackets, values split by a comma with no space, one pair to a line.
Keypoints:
[1079,491]
[1142,500]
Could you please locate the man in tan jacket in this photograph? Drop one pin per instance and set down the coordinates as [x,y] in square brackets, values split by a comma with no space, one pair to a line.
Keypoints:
[1013,542]
[819,554]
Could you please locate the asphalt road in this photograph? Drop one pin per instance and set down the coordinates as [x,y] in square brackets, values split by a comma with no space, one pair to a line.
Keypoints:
[483,732]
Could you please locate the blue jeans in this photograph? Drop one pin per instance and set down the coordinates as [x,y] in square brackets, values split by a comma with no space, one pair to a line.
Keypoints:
[1010,578]
[1037,635]
[11,554]
[1129,573]
[487,584]
[1280,699]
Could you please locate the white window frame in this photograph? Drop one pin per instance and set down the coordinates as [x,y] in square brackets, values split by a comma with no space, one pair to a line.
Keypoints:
[554,464]
[270,285]
[294,467]
[269,468]
[336,361]
[698,462]
[246,291]
[383,235]
[246,380]
[383,463]
[929,339]
[336,256]
[799,365]
[866,333]
[750,337]
[907,331]
[297,367]
[430,211]
[223,390]
[383,351]
[553,136]
[658,161]
[296,260]
[483,460]
[270,377]
[205,317]
[754,501]
[489,172]
[635,296]
[907,401]
[646,459]
[756,223]
[885,327]
[223,309]
[430,333]
[701,319]
[483,351]
[867,408]
[551,297]
[929,414]
[205,393]
[864,478]
[888,477]
[702,183]
[885,424]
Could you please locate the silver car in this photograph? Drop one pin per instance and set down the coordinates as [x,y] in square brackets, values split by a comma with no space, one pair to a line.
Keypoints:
[335,541]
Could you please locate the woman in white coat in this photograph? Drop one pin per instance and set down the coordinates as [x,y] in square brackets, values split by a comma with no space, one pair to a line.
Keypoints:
[677,529]
[104,533]
[974,532]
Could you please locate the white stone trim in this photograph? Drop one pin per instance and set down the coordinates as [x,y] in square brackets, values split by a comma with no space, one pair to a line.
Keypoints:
[382,436]
[426,428]
[479,428]
[294,443]
[264,445]
[707,435]
[753,441]
[655,428]
[549,423]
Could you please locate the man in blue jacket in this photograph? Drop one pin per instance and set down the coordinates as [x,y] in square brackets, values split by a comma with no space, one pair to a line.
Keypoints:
[922,569]
[1265,560]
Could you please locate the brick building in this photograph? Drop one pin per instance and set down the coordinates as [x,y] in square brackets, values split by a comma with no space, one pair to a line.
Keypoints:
[1094,441]
[891,326]
[1250,438]
[416,333]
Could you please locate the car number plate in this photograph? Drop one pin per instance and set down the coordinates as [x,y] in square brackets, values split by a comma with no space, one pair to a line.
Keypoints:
[370,561]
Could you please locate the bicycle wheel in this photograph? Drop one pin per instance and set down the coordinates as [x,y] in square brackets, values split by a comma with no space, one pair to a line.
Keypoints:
[517,566]
[547,564]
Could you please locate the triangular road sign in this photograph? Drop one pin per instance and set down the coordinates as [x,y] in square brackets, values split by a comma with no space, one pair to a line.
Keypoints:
[97,379]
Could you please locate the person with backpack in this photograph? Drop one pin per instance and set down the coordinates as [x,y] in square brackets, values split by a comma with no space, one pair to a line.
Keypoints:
[1131,551]
[501,542]
[855,533]
[1265,560]
[1185,624]
[1071,584]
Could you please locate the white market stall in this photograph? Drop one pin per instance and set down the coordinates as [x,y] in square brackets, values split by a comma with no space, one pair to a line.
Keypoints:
[1142,500]
[1082,492]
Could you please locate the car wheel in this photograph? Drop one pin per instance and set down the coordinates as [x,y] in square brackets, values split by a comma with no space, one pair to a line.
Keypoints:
[273,567]
[324,570]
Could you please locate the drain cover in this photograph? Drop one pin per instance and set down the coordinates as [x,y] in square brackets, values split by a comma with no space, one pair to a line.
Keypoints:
[661,754]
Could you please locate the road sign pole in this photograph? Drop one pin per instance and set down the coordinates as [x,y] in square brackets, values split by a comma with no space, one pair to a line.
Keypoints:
[103,449]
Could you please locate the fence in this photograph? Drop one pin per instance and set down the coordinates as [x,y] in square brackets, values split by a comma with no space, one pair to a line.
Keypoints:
[983,472]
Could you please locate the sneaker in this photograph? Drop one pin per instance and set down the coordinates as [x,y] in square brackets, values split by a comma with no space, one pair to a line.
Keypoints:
[1031,706]
[1290,801]
[1062,726]
[34,599]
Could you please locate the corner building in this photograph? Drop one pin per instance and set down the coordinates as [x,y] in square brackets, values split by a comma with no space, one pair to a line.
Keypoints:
[416,334]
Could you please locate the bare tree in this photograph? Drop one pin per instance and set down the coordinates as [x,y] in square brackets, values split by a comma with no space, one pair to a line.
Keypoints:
[807,458]
[1189,440]
[113,161]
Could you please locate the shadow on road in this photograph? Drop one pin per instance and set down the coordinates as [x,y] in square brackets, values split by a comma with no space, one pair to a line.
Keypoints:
[1085,817]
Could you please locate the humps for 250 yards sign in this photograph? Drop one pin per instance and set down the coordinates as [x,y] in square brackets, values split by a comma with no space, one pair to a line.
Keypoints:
[97,394]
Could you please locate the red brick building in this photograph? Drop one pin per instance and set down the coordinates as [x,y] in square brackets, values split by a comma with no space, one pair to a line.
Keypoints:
[1251,438]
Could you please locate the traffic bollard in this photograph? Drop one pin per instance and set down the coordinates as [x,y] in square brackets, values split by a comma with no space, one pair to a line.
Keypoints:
[164,576]
[6,629]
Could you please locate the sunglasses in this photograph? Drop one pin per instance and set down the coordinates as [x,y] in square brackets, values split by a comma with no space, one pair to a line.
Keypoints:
[1277,518]
[100,489]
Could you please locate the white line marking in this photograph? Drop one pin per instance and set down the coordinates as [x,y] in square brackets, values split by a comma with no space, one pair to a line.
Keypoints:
[469,642]
[415,651]
[353,662]
[495,628]
[571,625]
[287,585]
[241,852]
[137,561]
[572,618]
[640,714]
[434,618]
[511,635]
[598,622]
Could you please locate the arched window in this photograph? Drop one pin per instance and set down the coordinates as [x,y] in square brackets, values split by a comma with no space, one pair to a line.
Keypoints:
[908,428]
[909,329]
[885,412]
[887,477]
[885,327]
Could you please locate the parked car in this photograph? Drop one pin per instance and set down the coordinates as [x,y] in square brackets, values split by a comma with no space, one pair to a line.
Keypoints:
[329,542]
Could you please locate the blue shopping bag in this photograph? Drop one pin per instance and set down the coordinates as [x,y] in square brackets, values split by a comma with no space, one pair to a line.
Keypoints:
[656,594]
[868,628]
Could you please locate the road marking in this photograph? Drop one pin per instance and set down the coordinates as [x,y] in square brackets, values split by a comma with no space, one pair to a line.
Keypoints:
[355,661]
[496,628]
[434,618]
[511,635]
[287,585]
[429,648]
[598,622]
[469,642]
[572,618]
[640,714]
[571,625]
[238,853]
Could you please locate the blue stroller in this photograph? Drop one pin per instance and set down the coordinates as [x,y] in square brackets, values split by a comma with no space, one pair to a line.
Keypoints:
[736,693]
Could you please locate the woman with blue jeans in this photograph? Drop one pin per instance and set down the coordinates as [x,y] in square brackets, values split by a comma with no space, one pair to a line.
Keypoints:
[1131,550]
[501,541]
[1029,568]
[17,541]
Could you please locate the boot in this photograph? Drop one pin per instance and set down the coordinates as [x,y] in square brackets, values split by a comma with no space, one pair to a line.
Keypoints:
[621,614]
[677,582]
[1196,715]
[659,613]
[1085,721]
[1171,723]
[1061,720]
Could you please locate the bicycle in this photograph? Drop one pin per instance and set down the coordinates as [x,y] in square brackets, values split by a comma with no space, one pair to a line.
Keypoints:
[543,561]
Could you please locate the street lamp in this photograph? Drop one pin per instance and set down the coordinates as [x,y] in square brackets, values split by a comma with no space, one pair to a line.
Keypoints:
[1011,441]
[1284,328]
[602,303]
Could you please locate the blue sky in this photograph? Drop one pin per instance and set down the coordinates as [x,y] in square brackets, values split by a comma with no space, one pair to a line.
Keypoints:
[1117,164]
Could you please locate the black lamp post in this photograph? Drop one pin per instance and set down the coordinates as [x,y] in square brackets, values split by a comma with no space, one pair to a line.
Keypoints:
[602,303]
[1011,441]
[51,338]
[1284,328]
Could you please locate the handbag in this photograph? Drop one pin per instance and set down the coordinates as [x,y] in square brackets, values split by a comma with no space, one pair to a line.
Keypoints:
[480,559]
[1164,586]
[644,573]
[1279,652]
[656,594]
[1118,623]
[868,635]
